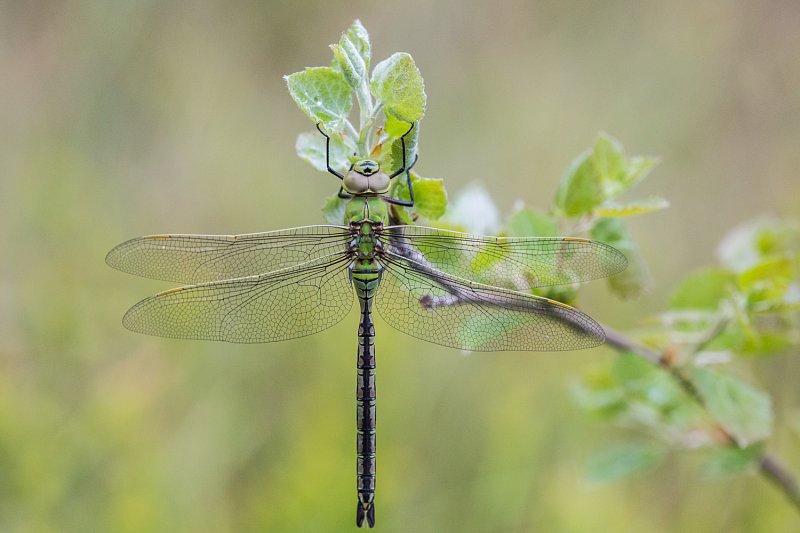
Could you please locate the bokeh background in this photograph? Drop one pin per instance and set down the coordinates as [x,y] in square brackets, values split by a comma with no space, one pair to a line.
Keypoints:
[125,118]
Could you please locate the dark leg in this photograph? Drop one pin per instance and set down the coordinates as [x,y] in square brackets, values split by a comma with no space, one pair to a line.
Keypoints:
[406,203]
[407,170]
[328,153]
[343,195]
[403,144]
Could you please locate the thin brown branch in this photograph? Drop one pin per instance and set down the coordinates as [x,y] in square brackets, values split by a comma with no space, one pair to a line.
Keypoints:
[776,474]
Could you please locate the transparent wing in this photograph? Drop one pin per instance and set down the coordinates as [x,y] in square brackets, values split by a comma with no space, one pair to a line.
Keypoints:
[202,258]
[439,308]
[285,304]
[516,263]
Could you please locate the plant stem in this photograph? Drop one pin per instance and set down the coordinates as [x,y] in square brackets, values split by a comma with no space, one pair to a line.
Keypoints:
[781,478]
[351,130]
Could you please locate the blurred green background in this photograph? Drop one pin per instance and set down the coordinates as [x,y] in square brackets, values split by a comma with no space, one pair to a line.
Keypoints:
[125,118]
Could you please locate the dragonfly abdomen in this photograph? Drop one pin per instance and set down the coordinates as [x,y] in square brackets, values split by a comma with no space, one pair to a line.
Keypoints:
[366,283]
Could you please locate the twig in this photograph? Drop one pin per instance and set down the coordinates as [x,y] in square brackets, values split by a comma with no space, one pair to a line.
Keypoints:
[776,474]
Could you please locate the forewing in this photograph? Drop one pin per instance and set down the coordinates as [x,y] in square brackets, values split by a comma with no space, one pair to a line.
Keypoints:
[286,304]
[516,263]
[201,258]
[442,309]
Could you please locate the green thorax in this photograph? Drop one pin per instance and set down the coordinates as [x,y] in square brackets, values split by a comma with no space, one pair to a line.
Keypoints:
[366,209]
[366,213]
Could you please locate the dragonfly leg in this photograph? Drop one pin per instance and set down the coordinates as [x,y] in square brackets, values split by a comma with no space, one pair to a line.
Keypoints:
[343,194]
[407,170]
[328,153]
[403,145]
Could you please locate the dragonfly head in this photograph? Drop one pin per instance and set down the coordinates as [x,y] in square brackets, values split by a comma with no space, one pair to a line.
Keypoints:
[366,178]
[366,167]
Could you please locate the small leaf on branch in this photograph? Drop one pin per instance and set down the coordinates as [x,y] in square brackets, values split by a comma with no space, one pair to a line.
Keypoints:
[395,158]
[580,190]
[323,94]
[310,146]
[333,210]
[732,460]
[622,461]
[744,412]
[600,174]
[397,83]
[352,54]
[430,197]
[636,278]
[703,290]
[629,209]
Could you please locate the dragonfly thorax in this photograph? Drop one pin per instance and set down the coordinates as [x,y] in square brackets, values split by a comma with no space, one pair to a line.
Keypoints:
[366,244]
[365,208]
[365,177]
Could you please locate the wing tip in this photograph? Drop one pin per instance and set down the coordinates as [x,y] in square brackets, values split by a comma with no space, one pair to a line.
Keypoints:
[112,257]
[619,261]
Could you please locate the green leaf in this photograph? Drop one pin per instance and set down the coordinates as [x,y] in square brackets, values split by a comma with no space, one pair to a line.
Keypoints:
[621,461]
[526,222]
[580,190]
[703,290]
[608,158]
[777,271]
[746,413]
[632,281]
[396,127]
[323,94]
[333,210]
[629,209]
[310,147]
[430,197]
[351,57]
[732,460]
[637,169]
[350,64]
[645,382]
[397,83]
[602,173]
[396,153]
[352,54]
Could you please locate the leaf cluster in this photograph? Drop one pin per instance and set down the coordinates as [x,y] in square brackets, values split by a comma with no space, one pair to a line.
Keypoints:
[587,204]
[390,99]
[745,306]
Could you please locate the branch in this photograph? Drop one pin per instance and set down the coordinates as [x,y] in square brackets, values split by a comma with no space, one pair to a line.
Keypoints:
[783,480]
[768,466]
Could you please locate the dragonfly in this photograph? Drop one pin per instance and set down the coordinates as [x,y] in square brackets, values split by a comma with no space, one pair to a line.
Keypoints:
[454,289]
